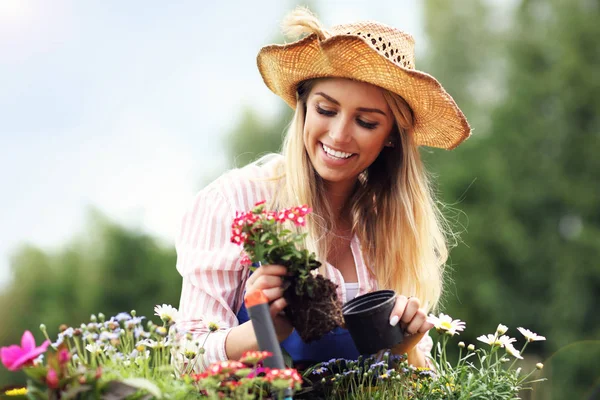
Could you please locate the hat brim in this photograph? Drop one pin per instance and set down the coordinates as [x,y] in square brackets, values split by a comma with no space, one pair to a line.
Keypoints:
[438,121]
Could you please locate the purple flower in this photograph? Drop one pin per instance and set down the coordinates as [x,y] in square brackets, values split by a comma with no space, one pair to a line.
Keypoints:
[122,317]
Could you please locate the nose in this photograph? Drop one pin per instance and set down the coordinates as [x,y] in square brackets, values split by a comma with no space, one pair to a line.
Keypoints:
[340,132]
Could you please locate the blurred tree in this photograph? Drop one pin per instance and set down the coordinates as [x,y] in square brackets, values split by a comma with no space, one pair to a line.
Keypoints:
[106,269]
[252,136]
[533,235]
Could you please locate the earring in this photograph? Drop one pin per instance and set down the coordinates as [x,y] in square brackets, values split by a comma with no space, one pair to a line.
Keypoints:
[390,143]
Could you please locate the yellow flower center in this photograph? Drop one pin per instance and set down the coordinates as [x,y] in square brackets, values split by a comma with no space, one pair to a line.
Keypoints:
[16,392]
[446,325]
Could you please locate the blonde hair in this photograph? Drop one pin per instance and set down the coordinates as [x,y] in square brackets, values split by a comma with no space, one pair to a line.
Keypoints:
[394,215]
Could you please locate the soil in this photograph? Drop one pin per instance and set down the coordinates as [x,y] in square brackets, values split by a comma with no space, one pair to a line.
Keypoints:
[316,313]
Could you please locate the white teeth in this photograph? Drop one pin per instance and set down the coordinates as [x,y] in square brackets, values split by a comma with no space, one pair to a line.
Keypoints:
[337,154]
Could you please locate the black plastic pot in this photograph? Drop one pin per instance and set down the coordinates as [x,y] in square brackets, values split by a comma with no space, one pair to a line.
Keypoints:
[367,319]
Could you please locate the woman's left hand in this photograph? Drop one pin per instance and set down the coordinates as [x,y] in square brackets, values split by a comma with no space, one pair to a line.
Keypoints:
[412,319]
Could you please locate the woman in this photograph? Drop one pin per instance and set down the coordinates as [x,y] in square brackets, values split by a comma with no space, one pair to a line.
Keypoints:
[361,110]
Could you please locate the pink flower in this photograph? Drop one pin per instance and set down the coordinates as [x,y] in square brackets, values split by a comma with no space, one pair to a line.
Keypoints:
[52,379]
[15,357]
[63,356]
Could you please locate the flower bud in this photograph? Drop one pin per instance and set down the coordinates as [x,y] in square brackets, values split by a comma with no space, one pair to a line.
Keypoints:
[52,379]
[501,329]
[43,328]
[213,327]
[93,318]
[471,347]
[539,365]
[133,313]
[461,345]
[61,328]
[101,317]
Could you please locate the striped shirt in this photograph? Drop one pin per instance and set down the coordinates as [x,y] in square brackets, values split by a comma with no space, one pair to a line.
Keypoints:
[213,276]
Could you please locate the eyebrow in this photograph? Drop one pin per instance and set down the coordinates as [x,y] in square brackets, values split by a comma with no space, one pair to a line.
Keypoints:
[363,109]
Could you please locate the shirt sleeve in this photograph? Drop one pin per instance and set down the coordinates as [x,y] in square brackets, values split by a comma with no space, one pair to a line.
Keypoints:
[212,275]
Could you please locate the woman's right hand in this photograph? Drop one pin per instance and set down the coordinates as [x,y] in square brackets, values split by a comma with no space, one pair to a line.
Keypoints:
[268,278]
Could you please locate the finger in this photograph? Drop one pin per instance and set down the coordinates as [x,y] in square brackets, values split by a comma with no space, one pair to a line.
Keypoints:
[265,282]
[273,269]
[277,270]
[277,306]
[412,306]
[426,326]
[415,324]
[398,309]
[273,293]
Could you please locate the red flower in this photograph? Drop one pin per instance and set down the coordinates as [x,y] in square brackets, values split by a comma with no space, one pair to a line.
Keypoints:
[224,367]
[246,261]
[254,357]
[289,374]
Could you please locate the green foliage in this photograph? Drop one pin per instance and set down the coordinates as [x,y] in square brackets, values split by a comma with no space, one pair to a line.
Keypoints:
[252,137]
[108,268]
[528,179]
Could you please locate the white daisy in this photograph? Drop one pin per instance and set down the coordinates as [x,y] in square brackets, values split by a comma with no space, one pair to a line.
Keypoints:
[191,350]
[530,336]
[445,323]
[494,340]
[510,349]
[166,313]
[146,343]
[94,348]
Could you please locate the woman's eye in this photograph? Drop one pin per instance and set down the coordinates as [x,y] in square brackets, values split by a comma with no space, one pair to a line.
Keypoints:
[322,111]
[367,125]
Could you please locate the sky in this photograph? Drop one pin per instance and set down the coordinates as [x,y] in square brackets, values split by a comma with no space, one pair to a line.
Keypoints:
[124,106]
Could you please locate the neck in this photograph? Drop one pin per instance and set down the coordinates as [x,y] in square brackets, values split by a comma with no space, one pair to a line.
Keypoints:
[337,195]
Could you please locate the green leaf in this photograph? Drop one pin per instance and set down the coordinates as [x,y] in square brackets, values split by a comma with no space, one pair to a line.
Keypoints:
[287,358]
[75,392]
[144,384]
[36,373]
[265,236]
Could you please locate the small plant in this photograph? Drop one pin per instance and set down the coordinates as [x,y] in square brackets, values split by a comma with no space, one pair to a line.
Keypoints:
[313,307]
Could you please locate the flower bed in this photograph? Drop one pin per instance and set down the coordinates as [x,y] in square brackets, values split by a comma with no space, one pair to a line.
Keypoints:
[128,357]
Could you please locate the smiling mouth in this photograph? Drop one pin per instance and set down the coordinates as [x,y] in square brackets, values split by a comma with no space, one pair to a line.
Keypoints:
[336,154]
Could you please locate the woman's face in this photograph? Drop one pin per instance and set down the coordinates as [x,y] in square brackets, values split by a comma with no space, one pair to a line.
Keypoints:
[347,125]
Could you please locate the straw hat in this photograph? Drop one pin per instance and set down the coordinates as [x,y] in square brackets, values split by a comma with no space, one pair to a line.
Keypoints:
[370,52]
